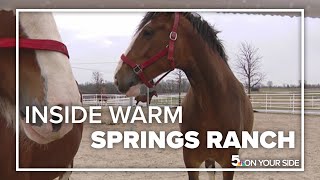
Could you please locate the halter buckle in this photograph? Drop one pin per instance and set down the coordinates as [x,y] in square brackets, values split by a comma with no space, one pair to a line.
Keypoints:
[137,69]
[173,36]
[151,82]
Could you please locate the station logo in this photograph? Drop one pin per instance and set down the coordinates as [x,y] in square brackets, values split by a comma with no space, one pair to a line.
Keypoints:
[264,162]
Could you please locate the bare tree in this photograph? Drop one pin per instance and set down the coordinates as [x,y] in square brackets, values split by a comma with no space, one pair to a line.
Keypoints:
[179,79]
[97,78]
[248,66]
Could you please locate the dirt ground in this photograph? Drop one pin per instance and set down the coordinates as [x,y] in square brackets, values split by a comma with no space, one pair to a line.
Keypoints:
[170,158]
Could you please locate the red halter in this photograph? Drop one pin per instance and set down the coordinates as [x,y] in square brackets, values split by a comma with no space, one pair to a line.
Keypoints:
[169,49]
[36,44]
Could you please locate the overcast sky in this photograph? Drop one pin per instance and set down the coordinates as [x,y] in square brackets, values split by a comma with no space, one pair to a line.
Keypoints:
[96,41]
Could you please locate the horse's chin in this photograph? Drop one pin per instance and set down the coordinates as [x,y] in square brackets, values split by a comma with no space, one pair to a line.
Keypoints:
[41,135]
[34,135]
[133,91]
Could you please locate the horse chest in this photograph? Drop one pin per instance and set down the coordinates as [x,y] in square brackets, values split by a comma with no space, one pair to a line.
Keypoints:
[53,155]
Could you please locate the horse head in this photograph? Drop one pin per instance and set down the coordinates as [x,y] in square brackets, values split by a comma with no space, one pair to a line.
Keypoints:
[45,77]
[151,52]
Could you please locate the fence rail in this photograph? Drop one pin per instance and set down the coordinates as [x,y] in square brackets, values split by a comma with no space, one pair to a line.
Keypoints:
[268,102]
[290,102]
[105,99]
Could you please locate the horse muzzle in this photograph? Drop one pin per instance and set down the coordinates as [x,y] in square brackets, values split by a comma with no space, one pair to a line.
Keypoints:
[46,132]
[129,85]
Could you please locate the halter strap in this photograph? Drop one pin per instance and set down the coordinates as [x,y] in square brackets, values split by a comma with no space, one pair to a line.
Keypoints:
[36,44]
[173,37]
[168,50]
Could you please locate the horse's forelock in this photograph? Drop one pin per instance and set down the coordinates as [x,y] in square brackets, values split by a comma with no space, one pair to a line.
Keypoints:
[148,17]
[207,32]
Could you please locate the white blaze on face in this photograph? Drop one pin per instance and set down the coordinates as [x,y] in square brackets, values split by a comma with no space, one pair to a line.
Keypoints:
[61,87]
[134,90]
[120,62]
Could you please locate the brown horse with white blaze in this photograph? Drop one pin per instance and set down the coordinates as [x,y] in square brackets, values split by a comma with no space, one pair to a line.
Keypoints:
[216,100]
[46,79]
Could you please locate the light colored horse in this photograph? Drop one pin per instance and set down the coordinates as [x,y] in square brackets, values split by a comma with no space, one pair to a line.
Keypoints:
[46,79]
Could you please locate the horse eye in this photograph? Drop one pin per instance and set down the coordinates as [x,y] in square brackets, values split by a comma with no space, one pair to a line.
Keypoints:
[147,33]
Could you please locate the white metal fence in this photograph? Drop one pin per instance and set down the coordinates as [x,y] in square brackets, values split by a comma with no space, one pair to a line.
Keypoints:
[268,102]
[286,102]
[105,99]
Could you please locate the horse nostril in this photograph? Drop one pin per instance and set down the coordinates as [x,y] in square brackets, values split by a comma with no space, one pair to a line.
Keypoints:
[116,80]
[131,84]
[56,127]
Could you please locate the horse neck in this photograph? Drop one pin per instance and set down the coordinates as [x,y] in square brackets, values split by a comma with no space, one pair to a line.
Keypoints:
[7,70]
[208,74]
[7,56]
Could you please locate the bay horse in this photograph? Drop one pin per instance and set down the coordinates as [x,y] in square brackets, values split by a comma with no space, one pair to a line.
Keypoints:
[46,79]
[216,100]
[144,98]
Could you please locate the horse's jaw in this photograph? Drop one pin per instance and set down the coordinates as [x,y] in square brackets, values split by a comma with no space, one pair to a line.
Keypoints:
[133,91]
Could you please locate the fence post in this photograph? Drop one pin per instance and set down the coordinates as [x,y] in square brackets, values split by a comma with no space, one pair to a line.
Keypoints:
[82,98]
[251,100]
[171,101]
[266,103]
[293,103]
[148,97]
[131,101]
[101,103]
[270,99]
[312,103]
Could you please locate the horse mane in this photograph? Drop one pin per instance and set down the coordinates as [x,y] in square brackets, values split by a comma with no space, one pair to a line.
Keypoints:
[203,28]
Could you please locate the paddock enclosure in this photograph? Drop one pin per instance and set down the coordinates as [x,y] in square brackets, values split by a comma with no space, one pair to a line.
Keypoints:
[171,158]
[272,101]
[274,111]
